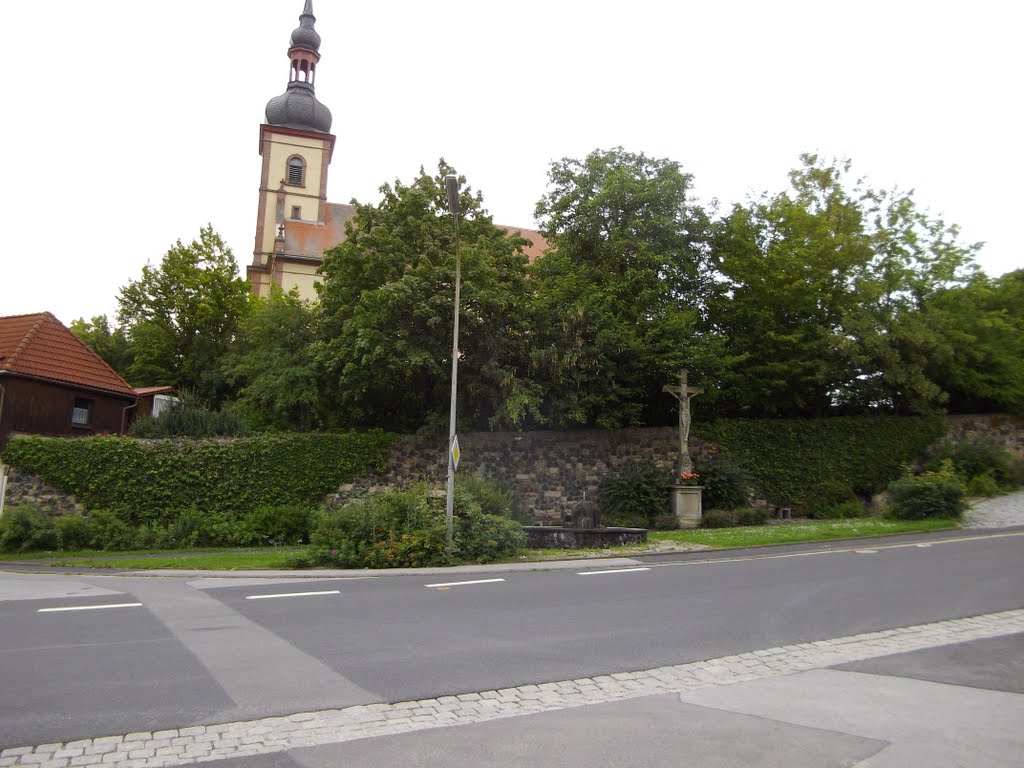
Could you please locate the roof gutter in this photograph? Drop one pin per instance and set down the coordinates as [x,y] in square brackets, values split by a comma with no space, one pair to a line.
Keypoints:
[129,395]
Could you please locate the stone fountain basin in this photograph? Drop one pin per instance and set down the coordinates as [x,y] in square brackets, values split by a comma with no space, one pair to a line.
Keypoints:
[558,537]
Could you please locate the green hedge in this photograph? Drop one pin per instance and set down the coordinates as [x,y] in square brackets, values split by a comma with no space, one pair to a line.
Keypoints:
[788,459]
[157,481]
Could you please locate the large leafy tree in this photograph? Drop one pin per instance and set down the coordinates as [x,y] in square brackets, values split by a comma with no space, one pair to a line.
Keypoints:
[983,326]
[272,364]
[821,297]
[387,304]
[181,316]
[620,298]
[109,342]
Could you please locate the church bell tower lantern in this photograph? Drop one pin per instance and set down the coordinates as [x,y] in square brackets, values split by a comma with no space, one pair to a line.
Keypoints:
[296,145]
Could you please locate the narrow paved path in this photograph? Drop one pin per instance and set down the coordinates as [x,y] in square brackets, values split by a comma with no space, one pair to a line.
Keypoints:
[1000,512]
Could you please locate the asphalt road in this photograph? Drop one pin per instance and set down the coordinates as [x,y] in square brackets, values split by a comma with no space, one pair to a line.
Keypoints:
[214,650]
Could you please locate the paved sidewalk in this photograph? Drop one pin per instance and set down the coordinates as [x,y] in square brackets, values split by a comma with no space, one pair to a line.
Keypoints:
[1000,512]
[223,741]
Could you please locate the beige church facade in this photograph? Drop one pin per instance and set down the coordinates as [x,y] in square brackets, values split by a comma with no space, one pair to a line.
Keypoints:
[295,223]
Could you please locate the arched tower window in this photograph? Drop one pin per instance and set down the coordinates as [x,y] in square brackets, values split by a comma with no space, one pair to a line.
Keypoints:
[296,171]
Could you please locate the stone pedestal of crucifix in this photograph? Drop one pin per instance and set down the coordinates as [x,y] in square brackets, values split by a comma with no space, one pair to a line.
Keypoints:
[686,490]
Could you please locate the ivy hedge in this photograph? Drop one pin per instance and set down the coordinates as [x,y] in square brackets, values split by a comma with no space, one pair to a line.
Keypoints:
[791,460]
[155,481]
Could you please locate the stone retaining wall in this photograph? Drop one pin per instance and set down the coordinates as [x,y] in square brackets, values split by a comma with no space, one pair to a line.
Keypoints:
[1001,428]
[548,470]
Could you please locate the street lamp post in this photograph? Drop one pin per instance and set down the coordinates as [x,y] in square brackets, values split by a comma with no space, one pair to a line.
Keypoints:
[452,186]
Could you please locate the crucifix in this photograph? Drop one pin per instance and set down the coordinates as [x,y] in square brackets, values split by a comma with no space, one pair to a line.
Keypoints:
[683,393]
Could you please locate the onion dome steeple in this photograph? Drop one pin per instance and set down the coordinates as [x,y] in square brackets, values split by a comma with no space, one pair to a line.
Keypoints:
[298,107]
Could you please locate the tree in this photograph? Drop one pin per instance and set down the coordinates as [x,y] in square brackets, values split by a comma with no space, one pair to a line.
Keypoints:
[821,297]
[620,298]
[272,364]
[109,343]
[181,316]
[983,325]
[386,301]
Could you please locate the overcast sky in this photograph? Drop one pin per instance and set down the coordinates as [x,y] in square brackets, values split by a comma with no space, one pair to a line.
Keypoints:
[125,126]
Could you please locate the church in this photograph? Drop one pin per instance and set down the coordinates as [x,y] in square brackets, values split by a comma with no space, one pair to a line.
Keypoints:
[295,223]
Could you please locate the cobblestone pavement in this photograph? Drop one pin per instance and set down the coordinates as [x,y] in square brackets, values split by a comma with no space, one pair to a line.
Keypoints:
[204,743]
[1000,512]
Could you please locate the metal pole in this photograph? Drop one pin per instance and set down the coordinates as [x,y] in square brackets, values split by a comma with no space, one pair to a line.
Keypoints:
[452,187]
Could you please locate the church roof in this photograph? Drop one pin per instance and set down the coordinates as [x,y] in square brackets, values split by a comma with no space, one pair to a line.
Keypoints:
[42,347]
[309,239]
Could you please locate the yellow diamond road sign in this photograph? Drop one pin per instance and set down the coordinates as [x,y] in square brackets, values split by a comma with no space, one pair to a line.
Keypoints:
[455,452]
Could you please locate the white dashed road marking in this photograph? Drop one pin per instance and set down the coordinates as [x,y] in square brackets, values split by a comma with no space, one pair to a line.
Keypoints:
[294,594]
[614,570]
[89,607]
[462,583]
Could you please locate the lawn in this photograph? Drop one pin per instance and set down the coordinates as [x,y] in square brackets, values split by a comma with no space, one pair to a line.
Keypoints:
[716,538]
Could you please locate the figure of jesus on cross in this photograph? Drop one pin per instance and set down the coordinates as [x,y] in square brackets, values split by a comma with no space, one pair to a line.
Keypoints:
[683,393]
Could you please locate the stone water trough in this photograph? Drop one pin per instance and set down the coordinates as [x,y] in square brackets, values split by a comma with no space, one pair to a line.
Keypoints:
[581,528]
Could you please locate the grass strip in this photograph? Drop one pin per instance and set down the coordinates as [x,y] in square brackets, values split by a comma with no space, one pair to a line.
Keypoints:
[716,538]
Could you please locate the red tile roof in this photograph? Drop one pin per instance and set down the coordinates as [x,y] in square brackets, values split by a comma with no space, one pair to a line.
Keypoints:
[537,243]
[309,239]
[42,347]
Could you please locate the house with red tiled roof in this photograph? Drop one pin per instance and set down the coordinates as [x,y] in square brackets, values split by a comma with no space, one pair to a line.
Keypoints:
[52,383]
[295,223]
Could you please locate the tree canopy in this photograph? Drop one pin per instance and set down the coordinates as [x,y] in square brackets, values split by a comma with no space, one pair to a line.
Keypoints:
[387,300]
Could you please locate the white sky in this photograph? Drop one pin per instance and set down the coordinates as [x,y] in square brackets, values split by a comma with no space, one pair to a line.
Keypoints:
[126,125]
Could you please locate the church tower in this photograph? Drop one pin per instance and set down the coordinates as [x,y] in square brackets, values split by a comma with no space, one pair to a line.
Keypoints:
[296,145]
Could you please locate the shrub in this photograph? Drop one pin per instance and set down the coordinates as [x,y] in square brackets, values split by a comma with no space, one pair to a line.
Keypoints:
[108,531]
[494,497]
[666,522]
[931,494]
[752,516]
[287,524]
[24,528]
[975,458]
[720,518]
[636,496]
[841,511]
[72,532]
[826,499]
[406,528]
[726,484]
[983,485]
[189,418]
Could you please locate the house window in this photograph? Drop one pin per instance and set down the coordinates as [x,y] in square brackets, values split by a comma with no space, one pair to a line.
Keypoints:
[297,212]
[296,171]
[81,414]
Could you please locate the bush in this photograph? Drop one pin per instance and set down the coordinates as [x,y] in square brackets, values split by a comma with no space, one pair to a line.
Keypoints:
[189,418]
[983,486]
[494,497]
[825,500]
[931,494]
[666,522]
[24,528]
[752,516]
[726,484]
[636,496]
[288,524]
[108,531]
[406,528]
[720,518]
[980,457]
[841,511]
[72,532]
